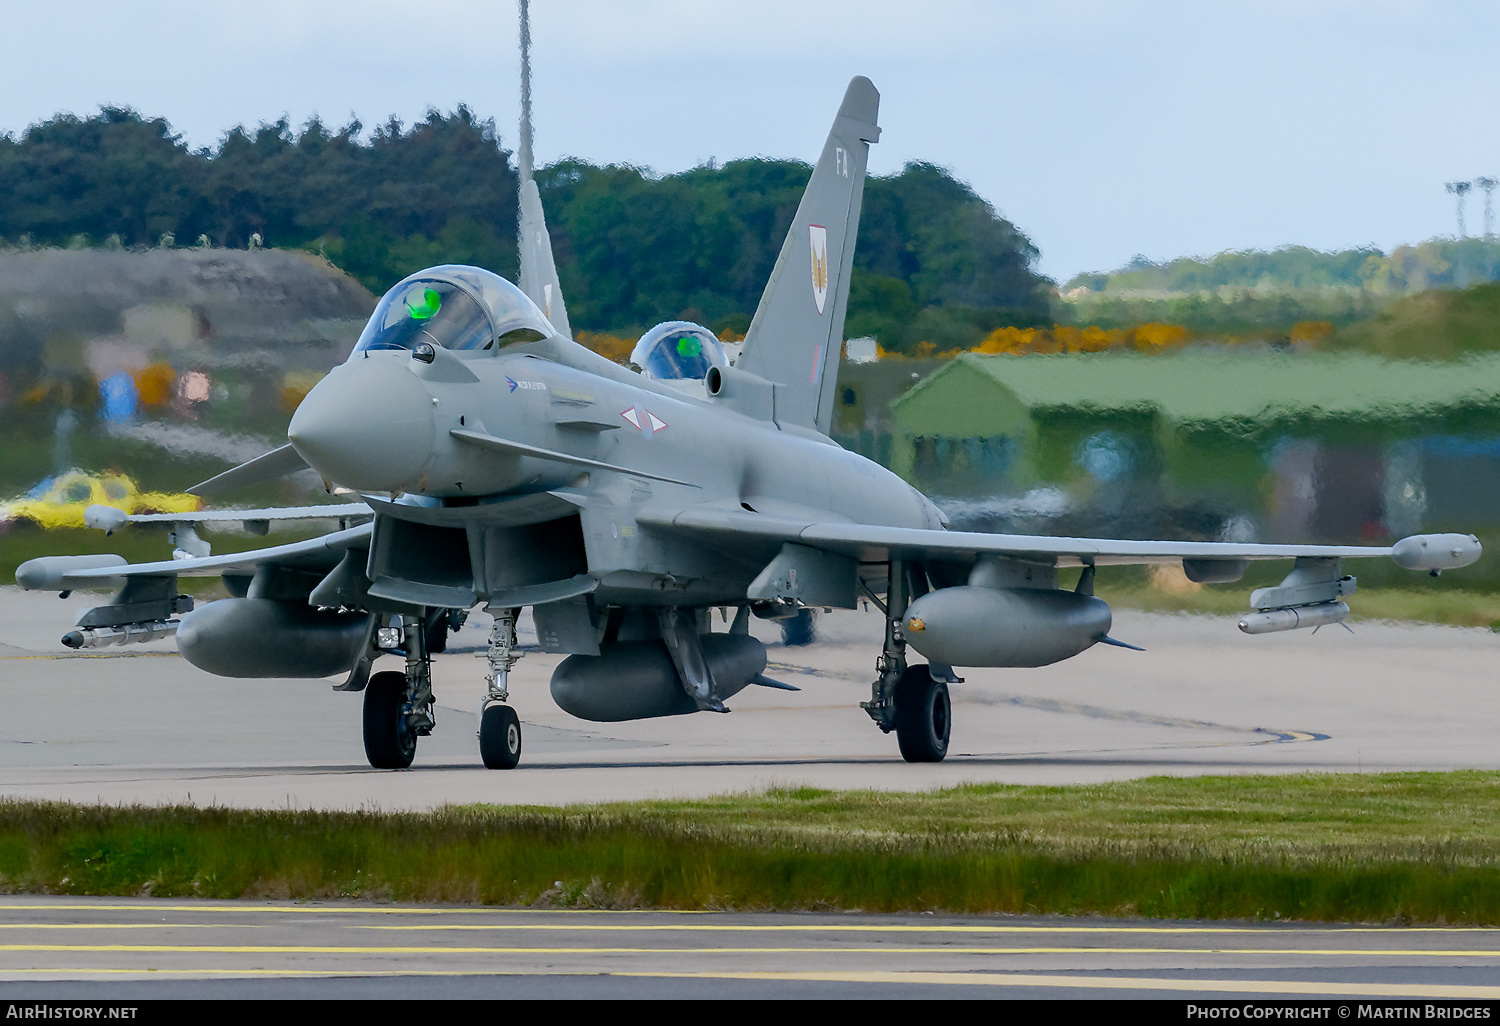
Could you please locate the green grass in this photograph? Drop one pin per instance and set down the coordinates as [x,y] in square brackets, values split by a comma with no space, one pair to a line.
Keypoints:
[1341,848]
[1439,324]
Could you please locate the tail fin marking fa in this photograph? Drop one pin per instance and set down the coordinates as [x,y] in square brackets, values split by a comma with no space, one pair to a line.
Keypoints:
[800,321]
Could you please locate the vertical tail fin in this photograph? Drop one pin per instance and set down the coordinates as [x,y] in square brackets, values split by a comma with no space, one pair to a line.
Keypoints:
[798,329]
[538,272]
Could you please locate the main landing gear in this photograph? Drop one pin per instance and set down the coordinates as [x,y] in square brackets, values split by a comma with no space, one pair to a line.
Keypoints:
[390,742]
[924,715]
[908,698]
[398,706]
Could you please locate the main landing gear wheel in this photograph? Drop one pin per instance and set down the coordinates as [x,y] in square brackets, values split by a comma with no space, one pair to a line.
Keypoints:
[390,741]
[437,634]
[800,629]
[924,716]
[500,737]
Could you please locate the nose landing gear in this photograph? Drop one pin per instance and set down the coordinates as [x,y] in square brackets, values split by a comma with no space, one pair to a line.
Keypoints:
[499,727]
[499,737]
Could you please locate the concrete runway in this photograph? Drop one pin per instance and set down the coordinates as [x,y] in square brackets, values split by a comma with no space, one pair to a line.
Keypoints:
[72,948]
[141,725]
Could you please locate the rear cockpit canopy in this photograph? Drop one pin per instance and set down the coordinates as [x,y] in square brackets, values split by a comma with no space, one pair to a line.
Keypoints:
[454,307]
[678,351]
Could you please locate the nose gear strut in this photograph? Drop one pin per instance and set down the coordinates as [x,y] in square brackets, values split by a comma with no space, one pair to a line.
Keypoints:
[499,727]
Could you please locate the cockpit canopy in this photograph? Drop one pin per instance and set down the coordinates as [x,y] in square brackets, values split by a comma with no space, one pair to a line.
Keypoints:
[678,351]
[455,307]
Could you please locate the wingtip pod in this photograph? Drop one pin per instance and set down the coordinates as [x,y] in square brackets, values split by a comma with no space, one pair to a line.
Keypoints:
[1436,551]
[105,518]
[51,573]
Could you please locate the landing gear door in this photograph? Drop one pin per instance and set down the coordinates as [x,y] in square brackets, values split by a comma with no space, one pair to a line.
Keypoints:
[809,576]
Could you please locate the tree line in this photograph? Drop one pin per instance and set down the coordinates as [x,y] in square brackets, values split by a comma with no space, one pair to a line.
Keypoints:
[1437,263]
[934,263]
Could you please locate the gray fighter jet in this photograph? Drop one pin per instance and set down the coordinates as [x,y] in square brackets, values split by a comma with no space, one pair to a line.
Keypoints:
[503,465]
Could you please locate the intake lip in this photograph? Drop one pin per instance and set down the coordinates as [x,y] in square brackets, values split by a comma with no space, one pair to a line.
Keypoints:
[368,425]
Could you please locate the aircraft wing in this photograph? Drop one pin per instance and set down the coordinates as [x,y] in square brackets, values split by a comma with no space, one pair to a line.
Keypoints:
[107,518]
[64,573]
[873,544]
[267,467]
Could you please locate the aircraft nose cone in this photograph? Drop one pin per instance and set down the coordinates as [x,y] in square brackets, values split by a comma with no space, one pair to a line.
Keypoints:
[368,425]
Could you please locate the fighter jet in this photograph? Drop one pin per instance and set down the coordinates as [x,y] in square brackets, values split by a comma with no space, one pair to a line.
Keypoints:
[503,465]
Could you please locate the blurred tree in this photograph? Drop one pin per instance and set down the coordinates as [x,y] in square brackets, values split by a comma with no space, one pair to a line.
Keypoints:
[114,173]
[935,262]
[1437,263]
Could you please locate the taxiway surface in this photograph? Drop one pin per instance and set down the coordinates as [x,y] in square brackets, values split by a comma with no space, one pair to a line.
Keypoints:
[142,725]
[82,948]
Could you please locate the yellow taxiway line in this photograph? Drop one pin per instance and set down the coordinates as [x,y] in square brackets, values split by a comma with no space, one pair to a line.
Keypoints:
[946,949]
[1179,985]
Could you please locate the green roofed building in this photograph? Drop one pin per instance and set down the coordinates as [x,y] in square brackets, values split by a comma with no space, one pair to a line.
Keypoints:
[1304,444]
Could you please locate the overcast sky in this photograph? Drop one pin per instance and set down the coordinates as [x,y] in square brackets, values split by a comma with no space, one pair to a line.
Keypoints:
[1101,129]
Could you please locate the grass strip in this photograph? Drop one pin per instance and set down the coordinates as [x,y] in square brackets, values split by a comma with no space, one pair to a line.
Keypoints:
[1392,848]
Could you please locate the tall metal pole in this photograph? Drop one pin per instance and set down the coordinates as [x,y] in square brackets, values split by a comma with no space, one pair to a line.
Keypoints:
[1460,190]
[523,158]
[1488,185]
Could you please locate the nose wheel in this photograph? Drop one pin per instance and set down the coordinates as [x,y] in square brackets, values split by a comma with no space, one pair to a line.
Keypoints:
[499,727]
[500,737]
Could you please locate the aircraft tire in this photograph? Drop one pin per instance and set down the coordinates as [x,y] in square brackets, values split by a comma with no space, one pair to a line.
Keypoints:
[500,737]
[800,629]
[437,635]
[389,740]
[924,715]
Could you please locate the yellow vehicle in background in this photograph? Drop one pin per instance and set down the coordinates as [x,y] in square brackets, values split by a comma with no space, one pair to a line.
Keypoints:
[60,501]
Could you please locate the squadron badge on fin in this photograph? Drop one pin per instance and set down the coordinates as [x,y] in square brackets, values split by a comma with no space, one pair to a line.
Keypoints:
[818,237]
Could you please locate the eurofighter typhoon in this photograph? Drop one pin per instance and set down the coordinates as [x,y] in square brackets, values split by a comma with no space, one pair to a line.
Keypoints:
[504,465]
